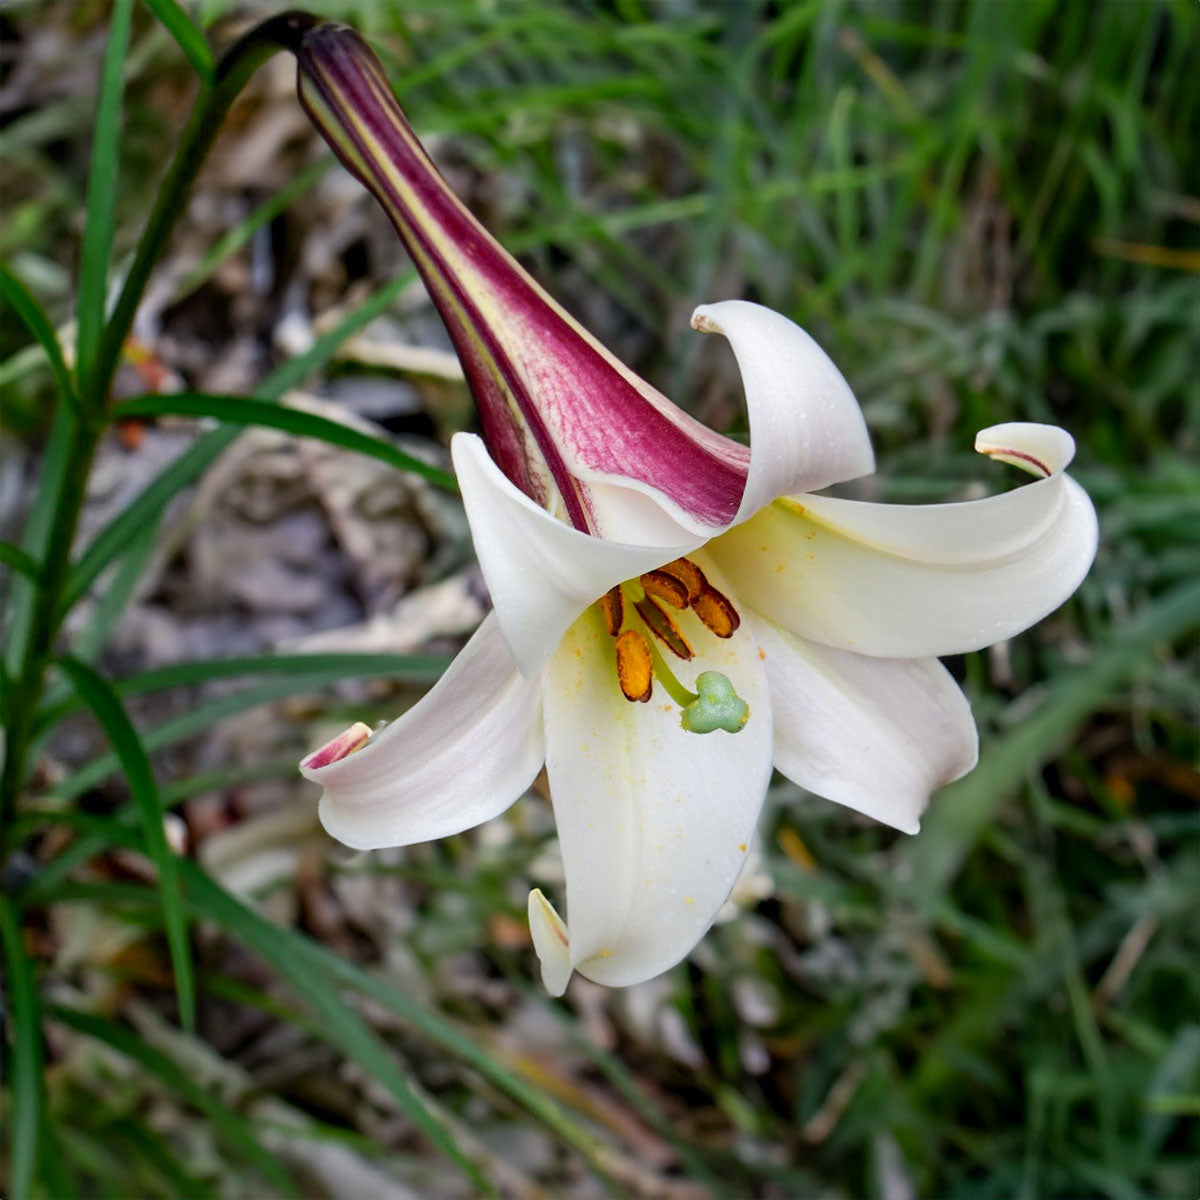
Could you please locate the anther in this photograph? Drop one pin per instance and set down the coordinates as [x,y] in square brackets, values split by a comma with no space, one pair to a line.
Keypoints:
[659,622]
[612,605]
[666,587]
[635,666]
[688,574]
[716,612]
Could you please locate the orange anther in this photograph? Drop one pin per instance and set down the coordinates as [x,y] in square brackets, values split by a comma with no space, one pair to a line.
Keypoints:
[716,612]
[688,574]
[666,587]
[659,621]
[635,666]
[612,606]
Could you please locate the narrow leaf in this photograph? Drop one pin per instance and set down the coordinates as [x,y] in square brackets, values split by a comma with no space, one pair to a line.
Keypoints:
[312,668]
[342,1026]
[194,461]
[15,557]
[102,190]
[36,532]
[966,808]
[97,693]
[40,326]
[208,714]
[244,410]
[229,1124]
[186,34]
[26,1096]
[299,959]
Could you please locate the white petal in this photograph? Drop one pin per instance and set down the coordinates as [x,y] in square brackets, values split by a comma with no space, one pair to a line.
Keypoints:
[806,428]
[876,734]
[460,756]
[541,572]
[654,823]
[552,943]
[915,581]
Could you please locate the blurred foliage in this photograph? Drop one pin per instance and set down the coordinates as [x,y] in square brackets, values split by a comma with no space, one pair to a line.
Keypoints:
[985,212]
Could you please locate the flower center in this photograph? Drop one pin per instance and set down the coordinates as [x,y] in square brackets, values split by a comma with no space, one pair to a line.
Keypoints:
[638,614]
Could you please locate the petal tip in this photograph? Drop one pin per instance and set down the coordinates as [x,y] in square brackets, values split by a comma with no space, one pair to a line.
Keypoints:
[335,750]
[551,941]
[1039,449]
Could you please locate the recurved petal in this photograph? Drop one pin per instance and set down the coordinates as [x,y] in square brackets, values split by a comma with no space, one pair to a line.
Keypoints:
[460,756]
[875,734]
[916,581]
[806,428]
[654,823]
[541,572]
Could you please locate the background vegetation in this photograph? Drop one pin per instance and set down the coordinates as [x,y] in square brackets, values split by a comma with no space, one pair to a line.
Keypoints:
[985,211]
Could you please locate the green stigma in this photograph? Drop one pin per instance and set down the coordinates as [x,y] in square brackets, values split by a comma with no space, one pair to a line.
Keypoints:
[717,706]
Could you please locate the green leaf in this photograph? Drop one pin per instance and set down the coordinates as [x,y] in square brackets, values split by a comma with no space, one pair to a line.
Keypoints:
[299,960]
[97,693]
[194,461]
[186,34]
[237,237]
[244,410]
[145,509]
[110,604]
[36,533]
[26,1096]
[966,808]
[229,1124]
[205,715]
[15,557]
[102,193]
[340,1024]
[40,326]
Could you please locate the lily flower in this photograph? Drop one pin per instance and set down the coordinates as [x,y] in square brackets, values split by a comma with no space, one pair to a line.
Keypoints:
[674,614]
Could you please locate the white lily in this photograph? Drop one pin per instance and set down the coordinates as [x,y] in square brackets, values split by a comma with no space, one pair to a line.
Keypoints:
[618,537]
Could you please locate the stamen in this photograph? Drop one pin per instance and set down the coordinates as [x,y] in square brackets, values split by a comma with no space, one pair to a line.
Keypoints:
[635,666]
[688,574]
[716,612]
[612,606]
[659,622]
[666,587]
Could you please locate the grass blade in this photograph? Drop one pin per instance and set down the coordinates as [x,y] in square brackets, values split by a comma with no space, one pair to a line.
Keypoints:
[325,668]
[16,558]
[298,958]
[230,1124]
[282,950]
[97,693]
[245,410]
[36,534]
[40,326]
[200,718]
[26,1096]
[194,461]
[187,35]
[102,191]
[964,809]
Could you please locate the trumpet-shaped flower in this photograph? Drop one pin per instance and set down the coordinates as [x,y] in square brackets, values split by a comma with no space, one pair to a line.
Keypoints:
[674,614]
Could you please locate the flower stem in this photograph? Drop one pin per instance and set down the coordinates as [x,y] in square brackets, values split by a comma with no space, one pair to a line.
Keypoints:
[216,96]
